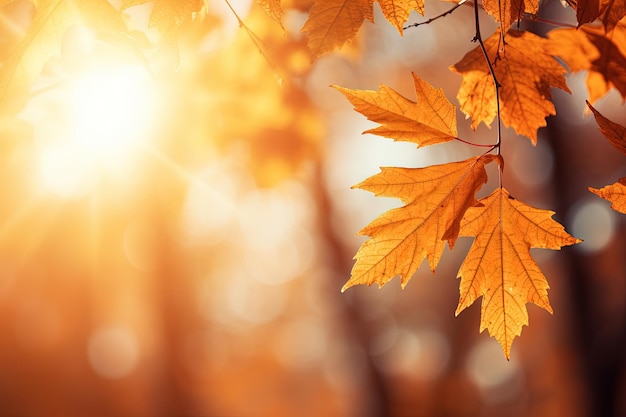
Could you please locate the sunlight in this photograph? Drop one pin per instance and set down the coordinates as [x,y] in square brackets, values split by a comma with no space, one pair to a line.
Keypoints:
[107,113]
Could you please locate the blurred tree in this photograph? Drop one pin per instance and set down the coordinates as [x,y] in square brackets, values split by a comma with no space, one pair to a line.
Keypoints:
[177,221]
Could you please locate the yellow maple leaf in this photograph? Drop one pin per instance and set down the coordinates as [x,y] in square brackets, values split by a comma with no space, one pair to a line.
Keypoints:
[332,23]
[435,197]
[508,11]
[168,15]
[526,72]
[499,266]
[616,135]
[430,120]
[397,11]
[615,193]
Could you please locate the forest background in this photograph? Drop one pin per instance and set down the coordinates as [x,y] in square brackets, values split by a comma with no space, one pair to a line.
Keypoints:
[188,260]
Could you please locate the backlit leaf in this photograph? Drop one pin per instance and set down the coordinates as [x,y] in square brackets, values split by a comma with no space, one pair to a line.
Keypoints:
[508,11]
[397,11]
[332,23]
[435,198]
[430,120]
[602,54]
[615,193]
[526,72]
[499,266]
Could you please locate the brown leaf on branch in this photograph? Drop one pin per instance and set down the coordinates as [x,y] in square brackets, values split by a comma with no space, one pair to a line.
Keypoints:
[435,197]
[602,54]
[430,120]
[526,72]
[499,266]
[616,135]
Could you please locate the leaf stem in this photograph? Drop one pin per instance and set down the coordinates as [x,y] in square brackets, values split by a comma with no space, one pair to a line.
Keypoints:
[439,16]
[481,145]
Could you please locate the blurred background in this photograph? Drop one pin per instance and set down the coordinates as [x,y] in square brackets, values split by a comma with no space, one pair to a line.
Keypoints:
[173,240]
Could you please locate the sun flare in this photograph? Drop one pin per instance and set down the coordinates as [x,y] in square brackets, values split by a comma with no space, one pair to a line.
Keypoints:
[107,114]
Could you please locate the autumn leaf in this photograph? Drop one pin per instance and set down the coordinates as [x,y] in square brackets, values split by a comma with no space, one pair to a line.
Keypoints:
[397,11]
[435,198]
[587,10]
[333,23]
[614,11]
[168,15]
[43,40]
[596,51]
[499,266]
[616,135]
[526,72]
[615,193]
[430,120]
[273,8]
[508,11]
[608,11]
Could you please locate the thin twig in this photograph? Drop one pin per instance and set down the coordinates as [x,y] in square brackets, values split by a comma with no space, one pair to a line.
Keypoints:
[481,145]
[258,42]
[478,38]
[439,16]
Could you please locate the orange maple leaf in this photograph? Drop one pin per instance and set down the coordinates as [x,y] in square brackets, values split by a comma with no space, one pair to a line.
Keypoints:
[332,23]
[609,11]
[615,193]
[526,72]
[397,11]
[602,54]
[430,120]
[435,197]
[499,266]
[616,135]
[508,11]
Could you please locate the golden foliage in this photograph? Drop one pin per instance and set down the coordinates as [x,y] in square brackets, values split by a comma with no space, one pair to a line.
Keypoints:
[508,11]
[526,72]
[499,266]
[440,205]
[397,11]
[435,198]
[333,23]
